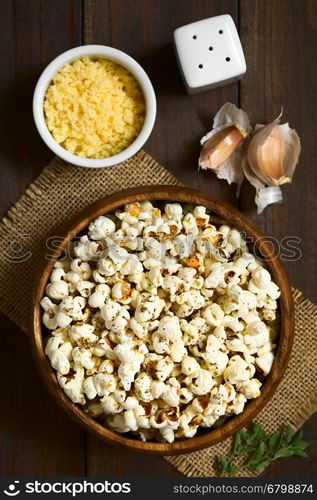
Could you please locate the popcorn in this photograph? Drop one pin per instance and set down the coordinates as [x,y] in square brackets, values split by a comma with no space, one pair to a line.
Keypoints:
[265,362]
[90,388]
[128,370]
[119,395]
[82,334]
[74,385]
[110,310]
[213,314]
[157,388]
[110,405]
[261,278]
[203,383]
[106,267]
[59,354]
[155,276]
[169,328]
[50,315]
[57,275]
[48,305]
[131,266]
[101,227]
[167,434]
[105,383]
[213,278]
[145,311]
[121,292]
[164,367]
[142,387]
[117,423]
[57,290]
[86,249]
[212,349]
[106,366]
[237,405]
[131,403]
[173,210]
[161,321]
[130,420]
[177,351]
[236,371]
[83,269]
[138,328]
[190,366]
[99,296]
[257,334]
[189,224]
[251,388]
[171,396]
[85,288]
[72,279]
[185,395]
[82,357]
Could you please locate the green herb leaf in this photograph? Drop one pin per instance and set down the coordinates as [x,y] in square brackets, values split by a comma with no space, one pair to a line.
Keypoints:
[283,452]
[288,434]
[275,442]
[300,453]
[224,466]
[298,442]
[260,450]
[258,432]
[237,448]
[260,465]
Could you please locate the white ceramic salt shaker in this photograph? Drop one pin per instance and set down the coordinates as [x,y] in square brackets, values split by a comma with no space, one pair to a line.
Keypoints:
[209,53]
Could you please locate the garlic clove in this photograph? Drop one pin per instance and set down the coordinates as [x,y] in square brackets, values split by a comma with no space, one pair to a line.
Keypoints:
[265,195]
[271,159]
[231,170]
[270,155]
[273,153]
[222,149]
[292,149]
[250,175]
[220,146]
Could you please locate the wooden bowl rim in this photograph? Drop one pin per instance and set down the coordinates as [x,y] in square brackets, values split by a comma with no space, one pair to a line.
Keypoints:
[173,194]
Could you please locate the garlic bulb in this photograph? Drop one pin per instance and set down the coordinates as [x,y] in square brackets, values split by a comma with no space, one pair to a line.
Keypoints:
[272,156]
[222,147]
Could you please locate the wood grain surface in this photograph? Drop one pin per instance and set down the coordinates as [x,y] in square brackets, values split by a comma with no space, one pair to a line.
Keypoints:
[279,38]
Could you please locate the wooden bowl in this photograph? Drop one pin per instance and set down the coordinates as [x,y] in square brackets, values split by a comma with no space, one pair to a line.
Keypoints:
[168,193]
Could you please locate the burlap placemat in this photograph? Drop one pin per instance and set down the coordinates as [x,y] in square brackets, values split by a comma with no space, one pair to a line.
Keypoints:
[61,191]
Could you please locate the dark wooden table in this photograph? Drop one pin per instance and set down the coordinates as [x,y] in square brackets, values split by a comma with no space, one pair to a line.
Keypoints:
[279,38]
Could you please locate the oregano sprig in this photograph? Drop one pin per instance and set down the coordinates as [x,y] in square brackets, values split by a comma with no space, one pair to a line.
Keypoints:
[259,449]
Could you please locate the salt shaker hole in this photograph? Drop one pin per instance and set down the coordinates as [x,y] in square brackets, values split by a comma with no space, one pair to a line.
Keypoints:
[200,66]
[227,59]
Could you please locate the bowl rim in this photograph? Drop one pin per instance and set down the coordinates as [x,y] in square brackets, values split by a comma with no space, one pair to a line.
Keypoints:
[183,195]
[114,55]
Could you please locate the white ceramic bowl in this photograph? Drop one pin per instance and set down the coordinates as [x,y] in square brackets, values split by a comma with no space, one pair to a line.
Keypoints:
[108,53]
